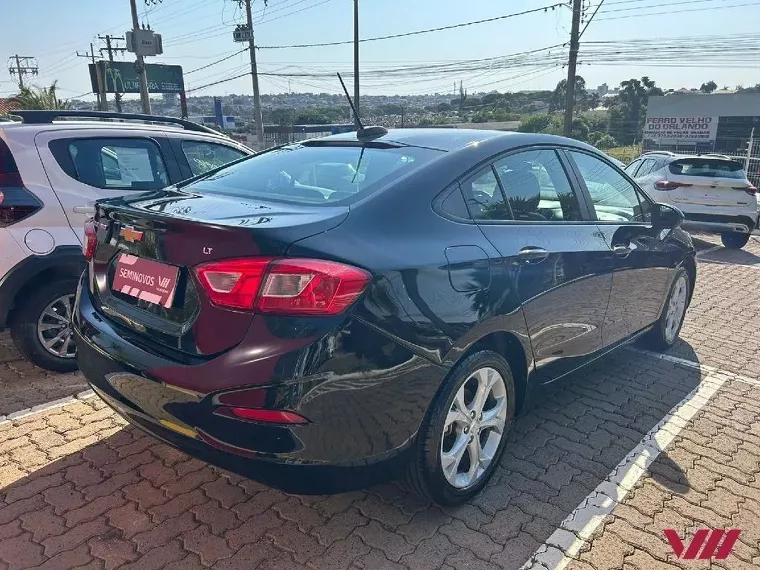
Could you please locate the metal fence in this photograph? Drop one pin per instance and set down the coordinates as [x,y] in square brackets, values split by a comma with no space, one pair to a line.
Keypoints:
[750,158]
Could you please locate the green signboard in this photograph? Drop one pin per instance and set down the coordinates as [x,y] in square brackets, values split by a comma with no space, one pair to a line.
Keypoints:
[122,77]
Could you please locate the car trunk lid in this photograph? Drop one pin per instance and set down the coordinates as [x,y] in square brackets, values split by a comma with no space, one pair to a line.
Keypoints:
[142,272]
[709,181]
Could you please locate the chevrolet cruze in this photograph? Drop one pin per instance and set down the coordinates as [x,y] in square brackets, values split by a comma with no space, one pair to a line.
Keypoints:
[324,314]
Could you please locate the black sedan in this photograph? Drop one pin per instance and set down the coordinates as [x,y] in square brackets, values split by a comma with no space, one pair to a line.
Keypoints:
[322,314]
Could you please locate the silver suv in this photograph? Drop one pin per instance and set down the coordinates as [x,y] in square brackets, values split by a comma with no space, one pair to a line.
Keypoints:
[53,166]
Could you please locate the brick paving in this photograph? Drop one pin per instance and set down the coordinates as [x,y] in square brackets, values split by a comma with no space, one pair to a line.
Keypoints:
[80,489]
[23,385]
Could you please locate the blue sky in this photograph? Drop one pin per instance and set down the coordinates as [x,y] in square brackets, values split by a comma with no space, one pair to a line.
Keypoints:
[197,32]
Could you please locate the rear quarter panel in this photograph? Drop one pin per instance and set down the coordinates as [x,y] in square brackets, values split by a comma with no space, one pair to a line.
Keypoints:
[411,304]
[51,218]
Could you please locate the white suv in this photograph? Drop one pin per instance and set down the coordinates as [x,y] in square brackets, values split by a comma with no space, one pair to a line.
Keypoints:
[51,173]
[711,190]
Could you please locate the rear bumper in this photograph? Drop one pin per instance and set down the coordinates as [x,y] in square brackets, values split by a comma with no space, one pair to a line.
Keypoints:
[361,423]
[719,223]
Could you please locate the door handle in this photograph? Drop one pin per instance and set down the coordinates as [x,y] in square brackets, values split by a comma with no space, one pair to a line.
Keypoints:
[533,254]
[621,250]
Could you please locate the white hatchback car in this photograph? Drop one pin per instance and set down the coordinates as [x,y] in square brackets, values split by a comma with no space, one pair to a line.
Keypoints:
[51,173]
[711,190]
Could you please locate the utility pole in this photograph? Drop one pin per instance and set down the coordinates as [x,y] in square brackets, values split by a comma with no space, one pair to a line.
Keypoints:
[571,67]
[102,103]
[356,57]
[257,116]
[110,49]
[140,65]
[25,65]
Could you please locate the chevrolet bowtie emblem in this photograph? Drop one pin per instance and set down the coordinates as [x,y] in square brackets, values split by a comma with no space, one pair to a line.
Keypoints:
[131,234]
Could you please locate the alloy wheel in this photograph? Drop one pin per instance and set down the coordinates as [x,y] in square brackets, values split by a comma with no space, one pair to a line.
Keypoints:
[676,309]
[474,427]
[54,327]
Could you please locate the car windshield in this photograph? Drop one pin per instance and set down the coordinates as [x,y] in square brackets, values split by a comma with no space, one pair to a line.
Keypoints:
[709,167]
[323,174]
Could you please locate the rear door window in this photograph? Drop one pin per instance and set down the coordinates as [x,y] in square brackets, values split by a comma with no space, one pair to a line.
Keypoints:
[633,167]
[112,163]
[708,167]
[454,205]
[203,156]
[646,167]
[613,197]
[484,197]
[317,175]
[537,187]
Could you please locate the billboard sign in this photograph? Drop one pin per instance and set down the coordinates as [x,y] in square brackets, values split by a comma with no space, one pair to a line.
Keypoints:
[681,129]
[122,77]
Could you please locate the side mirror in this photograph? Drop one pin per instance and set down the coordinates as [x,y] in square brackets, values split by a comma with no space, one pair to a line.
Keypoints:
[666,217]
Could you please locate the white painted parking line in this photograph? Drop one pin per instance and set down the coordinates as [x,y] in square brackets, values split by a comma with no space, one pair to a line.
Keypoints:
[47,406]
[709,250]
[579,526]
[693,364]
[674,359]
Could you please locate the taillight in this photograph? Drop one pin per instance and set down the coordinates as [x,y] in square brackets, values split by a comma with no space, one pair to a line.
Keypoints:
[90,239]
[233,283]
[283,286]
[751,190]
[262,415]
[310,286]
[669,185]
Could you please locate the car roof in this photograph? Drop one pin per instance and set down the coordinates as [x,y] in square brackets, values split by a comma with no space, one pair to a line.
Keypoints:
[447,139]
[108,125]
[679,156]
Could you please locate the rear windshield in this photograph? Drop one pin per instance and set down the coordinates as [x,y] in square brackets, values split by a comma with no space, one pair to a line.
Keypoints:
[314,174]
[709,167]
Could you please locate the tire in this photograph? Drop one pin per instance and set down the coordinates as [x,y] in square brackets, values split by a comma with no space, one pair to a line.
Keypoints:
[428,474]
[664,333]
[734,240]
[28,325]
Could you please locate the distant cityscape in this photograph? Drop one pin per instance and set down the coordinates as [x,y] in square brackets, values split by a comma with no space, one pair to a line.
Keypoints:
[312,108]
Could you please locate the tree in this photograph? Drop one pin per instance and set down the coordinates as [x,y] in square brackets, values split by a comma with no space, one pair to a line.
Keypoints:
[29,98]
[462,97]
[534,124]
[602,140]
[708,87]
[628,110]
[38,98]
[594,100]
[755,89]
[559,97]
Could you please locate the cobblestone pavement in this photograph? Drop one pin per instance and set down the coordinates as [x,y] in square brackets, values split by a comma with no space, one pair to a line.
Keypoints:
[594,472]
[23,385]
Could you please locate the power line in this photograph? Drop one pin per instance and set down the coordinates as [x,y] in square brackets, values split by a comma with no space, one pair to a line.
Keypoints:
[294,12]
[217,61]
[208,33]
[669,4]
[218,82]
[591,18]
[419,32]
[678,11]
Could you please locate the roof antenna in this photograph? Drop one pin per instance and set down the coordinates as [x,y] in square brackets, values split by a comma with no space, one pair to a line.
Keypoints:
[362,133]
